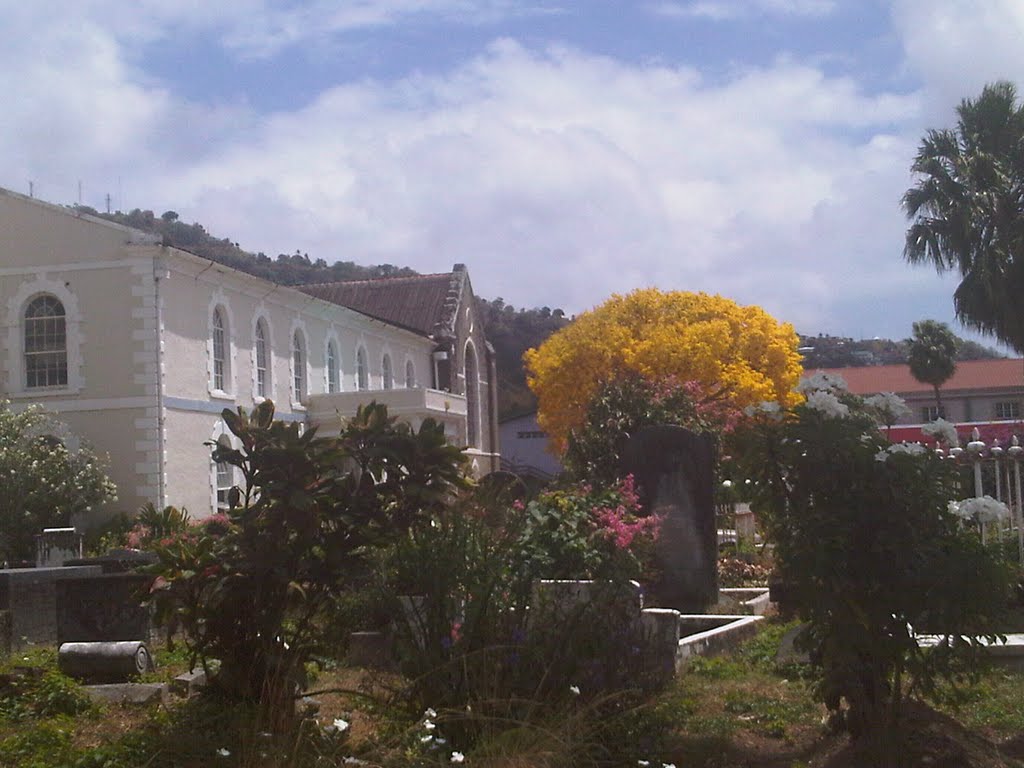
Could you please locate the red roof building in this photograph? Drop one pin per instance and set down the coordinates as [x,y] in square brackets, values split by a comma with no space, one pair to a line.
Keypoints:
[988,394]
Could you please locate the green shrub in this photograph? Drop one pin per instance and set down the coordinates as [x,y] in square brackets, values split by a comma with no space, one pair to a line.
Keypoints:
[252,589]
[865,543]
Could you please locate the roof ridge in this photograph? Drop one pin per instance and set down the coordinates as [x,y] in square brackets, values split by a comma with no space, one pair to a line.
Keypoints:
[367,280]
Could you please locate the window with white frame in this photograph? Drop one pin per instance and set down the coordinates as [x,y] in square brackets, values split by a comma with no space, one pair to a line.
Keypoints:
[1008,410]
[332,367]
[262,344]
[410,374]
[46,343]
[299,366]
[220,350]
[225,477]
[362,370]
[932,412]
[385,373]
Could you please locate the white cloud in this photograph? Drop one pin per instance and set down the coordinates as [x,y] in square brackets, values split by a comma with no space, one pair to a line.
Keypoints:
[729,10]
[558,176]
[955,47]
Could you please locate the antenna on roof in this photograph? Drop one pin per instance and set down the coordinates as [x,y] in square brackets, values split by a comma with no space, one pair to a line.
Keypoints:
[31,188]
[108,202]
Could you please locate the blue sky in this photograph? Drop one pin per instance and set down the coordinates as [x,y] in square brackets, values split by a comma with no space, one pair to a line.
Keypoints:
[562,150]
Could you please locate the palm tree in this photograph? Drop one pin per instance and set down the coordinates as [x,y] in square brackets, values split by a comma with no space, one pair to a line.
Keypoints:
[932,355]
[967,210]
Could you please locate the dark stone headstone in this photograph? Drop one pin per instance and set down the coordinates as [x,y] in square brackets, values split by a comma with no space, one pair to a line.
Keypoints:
[103,607]
[30,595]
[674,473]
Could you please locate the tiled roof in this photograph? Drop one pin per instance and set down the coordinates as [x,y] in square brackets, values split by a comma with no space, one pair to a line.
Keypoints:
[424,304]
[972,374]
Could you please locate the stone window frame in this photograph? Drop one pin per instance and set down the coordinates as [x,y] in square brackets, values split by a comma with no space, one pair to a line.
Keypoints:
[387,370]
[219,302]
[333,383]
[362,368]
[299,394]
[410,373]
[17,305]
[261,320]
[222,435]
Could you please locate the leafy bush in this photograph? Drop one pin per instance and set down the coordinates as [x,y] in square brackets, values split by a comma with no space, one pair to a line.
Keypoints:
[865,542]
[622,406]
[45,483]
[251,590]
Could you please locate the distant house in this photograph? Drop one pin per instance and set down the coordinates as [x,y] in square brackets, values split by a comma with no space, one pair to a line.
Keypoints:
[138,347]
[988,394]
[524,448]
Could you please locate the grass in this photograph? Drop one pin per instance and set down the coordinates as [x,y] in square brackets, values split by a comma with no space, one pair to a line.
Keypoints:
[740,708]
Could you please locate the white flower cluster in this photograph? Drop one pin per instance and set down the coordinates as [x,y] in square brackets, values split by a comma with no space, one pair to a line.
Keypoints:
[768,408]
[911,449]
[942,431]
[828,404]
[821,381]
[890,406]
[983,510]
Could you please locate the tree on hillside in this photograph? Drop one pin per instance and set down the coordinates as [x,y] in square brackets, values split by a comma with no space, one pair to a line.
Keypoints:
[740,355]
[932,355]
[967,210]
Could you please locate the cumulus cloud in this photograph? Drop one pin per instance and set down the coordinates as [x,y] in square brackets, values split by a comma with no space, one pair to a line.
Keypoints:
[955,47]
[560,176]
[729,10]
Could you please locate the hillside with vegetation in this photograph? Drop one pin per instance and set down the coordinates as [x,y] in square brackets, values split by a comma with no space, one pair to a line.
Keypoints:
[510,330]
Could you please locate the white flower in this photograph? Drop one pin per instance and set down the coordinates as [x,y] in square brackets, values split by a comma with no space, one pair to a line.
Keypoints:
[984,510]
[942,431]
[338,726]
[353,761]
[643,762]
[821,381]
[574,689]
[828,404]
[458,757]
[223,752]
[890,406]
[425,739]
[767,408]
[430,713]
[668,765]
[429,725]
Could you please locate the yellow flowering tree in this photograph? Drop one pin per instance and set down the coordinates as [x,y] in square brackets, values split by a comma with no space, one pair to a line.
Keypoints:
[739,353]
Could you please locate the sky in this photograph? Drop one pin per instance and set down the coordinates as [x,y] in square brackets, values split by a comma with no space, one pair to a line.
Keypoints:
[564,150]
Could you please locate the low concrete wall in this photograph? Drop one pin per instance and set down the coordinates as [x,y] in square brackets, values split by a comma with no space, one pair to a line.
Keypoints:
[730,630]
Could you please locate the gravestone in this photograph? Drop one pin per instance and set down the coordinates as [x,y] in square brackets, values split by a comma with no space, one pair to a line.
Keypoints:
[103,607]
[674,473]
[54,546]
[30,597]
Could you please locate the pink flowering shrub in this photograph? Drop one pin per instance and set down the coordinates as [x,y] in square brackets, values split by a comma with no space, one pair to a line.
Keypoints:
[584,532]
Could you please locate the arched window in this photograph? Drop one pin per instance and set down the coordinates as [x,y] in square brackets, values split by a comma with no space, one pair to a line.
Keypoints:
[362,370]
[385,372]
[220,353]
[225,477]
[262,359]
[472,397]
[410,374]
[299,366]
[46,343]
[332,367]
